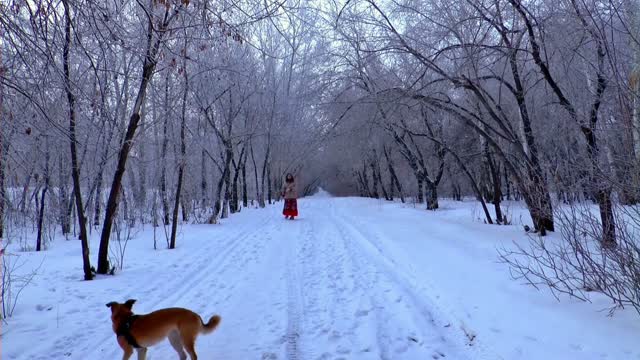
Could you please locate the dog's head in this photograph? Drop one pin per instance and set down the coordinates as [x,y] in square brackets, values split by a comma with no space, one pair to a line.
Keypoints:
[120,312]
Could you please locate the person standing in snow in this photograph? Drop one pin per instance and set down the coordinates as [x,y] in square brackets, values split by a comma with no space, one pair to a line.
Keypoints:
[290,210]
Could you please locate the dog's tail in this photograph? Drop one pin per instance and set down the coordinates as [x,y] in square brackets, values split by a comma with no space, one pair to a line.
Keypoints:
[211,325]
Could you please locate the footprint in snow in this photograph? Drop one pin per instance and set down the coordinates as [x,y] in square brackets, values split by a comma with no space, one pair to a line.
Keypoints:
[533,339]
[40,307]
[438,355]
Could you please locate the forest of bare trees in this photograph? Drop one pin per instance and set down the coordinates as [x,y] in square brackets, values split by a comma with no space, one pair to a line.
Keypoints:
[119,113]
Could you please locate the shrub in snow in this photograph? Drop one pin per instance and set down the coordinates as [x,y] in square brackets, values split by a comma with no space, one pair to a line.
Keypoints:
[13,282]
[580,262]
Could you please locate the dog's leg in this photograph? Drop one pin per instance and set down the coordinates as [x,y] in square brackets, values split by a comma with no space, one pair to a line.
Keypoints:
[128,351]
[142,353]
[189,342]
[176,342]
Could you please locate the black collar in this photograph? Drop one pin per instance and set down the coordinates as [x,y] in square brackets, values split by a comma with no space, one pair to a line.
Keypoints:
[125,330]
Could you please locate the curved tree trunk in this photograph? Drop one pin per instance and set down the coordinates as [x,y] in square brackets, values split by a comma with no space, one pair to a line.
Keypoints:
[148,68]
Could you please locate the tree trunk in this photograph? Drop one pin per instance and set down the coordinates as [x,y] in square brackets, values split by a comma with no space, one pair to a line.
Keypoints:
[203,180]
[634,85]
[600,189]
[141,198]
[270,194]
[25,191]
[3,191]
[227,192]
[539,207]
[176,205]
[43,199]
[235,200]
[183,156]
[255,173]
[130,215]
[234,205]
[97,209]
[474,185]
[245,196]
[2,187]
[495,182]
[217,206]
[70,207]
[507,185]
[75,169]
[392,188]
[378,174]
[420,193]
[112,202]
[392,174]
[163,155]
[374,192]
[432,195]
[261,199]
[3,151]
[41,217]
[382,187]
[185,206]
[365,180]
[225,203]
[125,206]
[98,200]
[603,198]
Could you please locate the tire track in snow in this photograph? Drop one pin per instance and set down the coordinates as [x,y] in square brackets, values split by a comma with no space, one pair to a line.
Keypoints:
[294,299]
[371,279]
[353,286]
[433,315]
[334,326]
[370,282]
[211,264]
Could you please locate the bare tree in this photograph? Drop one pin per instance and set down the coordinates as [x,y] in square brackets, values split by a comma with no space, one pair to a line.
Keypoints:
[155,37]
[183,150]
[75,167]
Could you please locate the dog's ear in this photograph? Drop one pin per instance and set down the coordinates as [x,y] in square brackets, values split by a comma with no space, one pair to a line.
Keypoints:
[129,303]
[111,304]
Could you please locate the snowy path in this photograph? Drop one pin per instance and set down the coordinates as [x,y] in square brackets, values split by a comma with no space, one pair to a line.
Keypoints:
[347,280]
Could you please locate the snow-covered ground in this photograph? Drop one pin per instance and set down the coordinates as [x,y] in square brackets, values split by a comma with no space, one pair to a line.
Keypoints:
[350,279]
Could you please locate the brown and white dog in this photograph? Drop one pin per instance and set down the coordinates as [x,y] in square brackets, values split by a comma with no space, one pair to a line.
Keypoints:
[139,332]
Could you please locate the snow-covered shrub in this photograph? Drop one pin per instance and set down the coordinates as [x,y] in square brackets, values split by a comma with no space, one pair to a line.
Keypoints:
[579,263]
[13,282]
